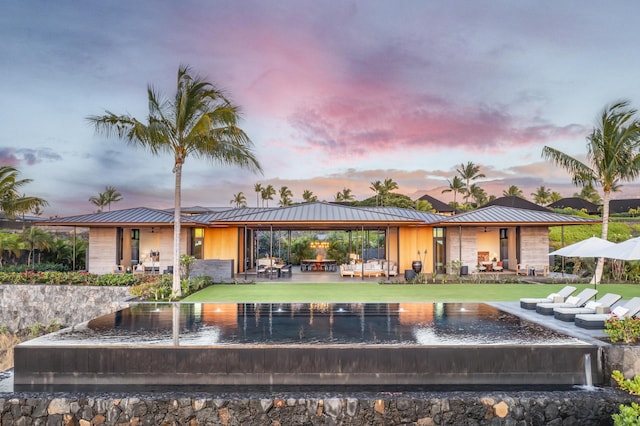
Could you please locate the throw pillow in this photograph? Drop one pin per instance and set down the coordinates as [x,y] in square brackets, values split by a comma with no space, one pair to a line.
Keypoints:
[572,300]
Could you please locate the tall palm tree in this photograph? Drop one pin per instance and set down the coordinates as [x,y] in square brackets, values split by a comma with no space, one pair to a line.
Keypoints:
[258,190]
[12,201]
[285,196]
[555,196]
[589,193]
[199,120]
[111,195]
[613,157]
[100,201]
[308,196]
[542,195]
[456,185]
[513,191]
[267,194]
[377,188]
[239,200]
[345,195]
[387,186]
[469,172]
[35,238]
[478,194]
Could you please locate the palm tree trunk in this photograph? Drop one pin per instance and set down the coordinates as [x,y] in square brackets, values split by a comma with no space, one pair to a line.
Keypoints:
[177,289]
[597,275]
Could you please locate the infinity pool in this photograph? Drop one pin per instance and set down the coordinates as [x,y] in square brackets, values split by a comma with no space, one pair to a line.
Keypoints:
[203,324]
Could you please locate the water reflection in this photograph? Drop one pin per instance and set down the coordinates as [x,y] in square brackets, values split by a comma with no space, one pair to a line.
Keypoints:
[190,324]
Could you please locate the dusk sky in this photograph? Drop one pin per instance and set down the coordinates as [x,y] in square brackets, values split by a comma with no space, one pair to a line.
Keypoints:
[334,93]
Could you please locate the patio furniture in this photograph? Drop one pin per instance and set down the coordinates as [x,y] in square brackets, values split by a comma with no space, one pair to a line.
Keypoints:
[522,269]
[579,300]
[117,269]
[346,271]
[497,266]
[541,270]
[601,306]
[530,302]
[629,309]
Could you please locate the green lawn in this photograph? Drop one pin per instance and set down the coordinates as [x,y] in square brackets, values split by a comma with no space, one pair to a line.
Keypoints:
[374,292]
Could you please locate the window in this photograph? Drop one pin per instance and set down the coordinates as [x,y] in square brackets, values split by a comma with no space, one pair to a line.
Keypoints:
[197,243]
[439,250]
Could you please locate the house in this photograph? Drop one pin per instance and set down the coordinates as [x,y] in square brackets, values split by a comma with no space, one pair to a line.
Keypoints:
[516,202]
[140,235]
[624,205]
[575,203]
[438,206]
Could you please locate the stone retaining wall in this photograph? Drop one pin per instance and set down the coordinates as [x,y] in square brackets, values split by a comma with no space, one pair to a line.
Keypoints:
[22,306]
[560,408]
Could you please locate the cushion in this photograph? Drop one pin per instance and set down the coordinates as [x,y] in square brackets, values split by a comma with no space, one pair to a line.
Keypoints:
[572,300]
[619,312]
[592,305]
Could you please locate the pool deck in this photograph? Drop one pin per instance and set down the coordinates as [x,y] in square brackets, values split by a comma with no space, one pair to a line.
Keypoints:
[568,328]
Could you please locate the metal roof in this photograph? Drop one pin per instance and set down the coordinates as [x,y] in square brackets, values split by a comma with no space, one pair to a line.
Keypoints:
[516,202]
[317,213]
[426,217]
[513,216]
[438,205]
[137,215]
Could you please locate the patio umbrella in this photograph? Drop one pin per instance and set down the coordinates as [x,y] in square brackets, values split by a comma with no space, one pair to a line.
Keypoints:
[591,247]
[626,250]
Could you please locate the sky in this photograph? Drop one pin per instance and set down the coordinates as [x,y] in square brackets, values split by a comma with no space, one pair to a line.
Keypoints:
[334,94]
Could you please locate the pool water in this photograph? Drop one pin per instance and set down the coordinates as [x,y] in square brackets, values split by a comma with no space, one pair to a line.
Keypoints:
[205,324]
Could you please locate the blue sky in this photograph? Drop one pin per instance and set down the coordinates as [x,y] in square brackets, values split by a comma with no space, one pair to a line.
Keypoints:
[334,94]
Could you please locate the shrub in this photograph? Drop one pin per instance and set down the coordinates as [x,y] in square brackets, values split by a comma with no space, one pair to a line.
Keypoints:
[629,414]
[625,330]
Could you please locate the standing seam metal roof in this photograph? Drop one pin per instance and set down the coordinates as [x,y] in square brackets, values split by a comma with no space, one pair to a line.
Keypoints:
[500,214]
[134,215]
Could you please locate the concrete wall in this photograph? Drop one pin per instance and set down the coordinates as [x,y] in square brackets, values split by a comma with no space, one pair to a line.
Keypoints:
[218,270]
[24,305]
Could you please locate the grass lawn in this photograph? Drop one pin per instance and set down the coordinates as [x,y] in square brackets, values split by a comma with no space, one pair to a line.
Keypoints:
[374,292]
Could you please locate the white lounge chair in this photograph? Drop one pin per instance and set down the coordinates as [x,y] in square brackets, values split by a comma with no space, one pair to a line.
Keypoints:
[571,302]
[531,302]
[600,306]
[596,321]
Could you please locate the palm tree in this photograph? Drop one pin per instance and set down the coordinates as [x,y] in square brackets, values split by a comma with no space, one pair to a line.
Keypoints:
[111,195]
[267,194]
[10,243]
[387,186]
[513,191]
[555,196]
[100,201]
[456,185]
[377,188]
[469,172]
[424,206]
[12,202]
[258,190]
[542,195]
[478,194]
[239,200]
[35,238]
[589,193]
[199,120]
[612,158]
[344,195]
[308,196]
[285,196]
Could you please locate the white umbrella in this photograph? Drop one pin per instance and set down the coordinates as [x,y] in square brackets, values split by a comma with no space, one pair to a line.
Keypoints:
[626,250]
[591,247]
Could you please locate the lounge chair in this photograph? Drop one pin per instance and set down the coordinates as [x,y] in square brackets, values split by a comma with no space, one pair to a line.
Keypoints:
[522,269]
[596,321]
[601,306]
[542,270]
[531,302]
[577,301]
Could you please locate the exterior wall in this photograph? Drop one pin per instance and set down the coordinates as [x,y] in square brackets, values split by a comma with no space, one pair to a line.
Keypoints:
[102,250]
[392,245]
[221,243]
[412,240]
[469,239]
[534,246]
[102,243]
